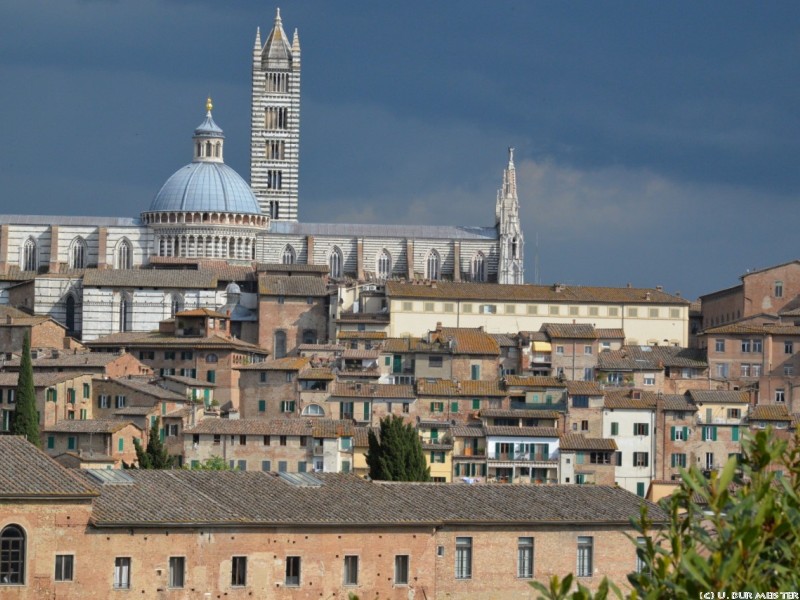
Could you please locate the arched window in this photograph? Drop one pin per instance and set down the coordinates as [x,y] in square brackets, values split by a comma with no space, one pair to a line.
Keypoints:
[432,269]
[514,247]
[77,253]
[12,555]
[125,313]
[384,265]
[335,262]
[279,344]
[70,313]
[289,256]
[124,254]
[175,304]
[478,267]
[313,410]
[309,336]
[212,358]
[30,256]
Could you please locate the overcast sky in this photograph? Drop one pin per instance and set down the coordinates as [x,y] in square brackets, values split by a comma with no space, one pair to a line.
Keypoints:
[657,143]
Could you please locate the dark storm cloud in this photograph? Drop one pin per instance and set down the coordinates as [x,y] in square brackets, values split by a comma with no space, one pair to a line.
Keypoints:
[656,143]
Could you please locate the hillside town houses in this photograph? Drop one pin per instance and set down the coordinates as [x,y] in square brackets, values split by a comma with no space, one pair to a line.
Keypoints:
[221,324]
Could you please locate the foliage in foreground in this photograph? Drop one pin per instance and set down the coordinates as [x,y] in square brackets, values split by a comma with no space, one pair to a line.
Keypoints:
[26,417]
[155,456]
[396,455]
[215,463]
[735,532]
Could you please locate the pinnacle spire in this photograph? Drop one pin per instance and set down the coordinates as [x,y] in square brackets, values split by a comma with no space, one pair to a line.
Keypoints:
[258,38]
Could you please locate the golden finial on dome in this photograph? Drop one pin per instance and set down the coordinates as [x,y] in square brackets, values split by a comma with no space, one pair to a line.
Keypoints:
[209,104]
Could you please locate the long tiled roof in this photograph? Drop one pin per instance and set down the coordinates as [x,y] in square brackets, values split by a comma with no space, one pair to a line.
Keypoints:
[396,230]
[469,430]
[530,293]
[67,360]
[317,374]
[747,329]
[610,334]
[155,278]
[719,396]
[308,427]
[344,389]
[287,363]
[235,498]
[466,387]
[292,268]
[89,426]
[27,472]
[466,340]
[133,339]
[575,441]
[533,381]
[361,335]
[522,413]
[295,285]
[149,389]
[508,431]
[769,412]
[40,378]
[638,358]
[584,388]
[577,331]
[624,399]
[678,402]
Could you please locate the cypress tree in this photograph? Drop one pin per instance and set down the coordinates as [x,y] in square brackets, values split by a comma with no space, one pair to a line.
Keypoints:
[26,417]
[155,456]
[396,455]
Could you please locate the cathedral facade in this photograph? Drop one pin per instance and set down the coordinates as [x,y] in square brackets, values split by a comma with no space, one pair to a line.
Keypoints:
[98,275]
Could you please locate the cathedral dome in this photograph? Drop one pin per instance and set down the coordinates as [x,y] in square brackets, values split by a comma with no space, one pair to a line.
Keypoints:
[205,187]
[206,184]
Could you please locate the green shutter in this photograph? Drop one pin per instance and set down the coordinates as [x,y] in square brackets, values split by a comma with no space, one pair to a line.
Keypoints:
[735,433]
[70,443]
[86,391]
[614,428]
[579,458]
[714,434]
[367,413]
[672,435]
[51,442]
[672,458]
[387,361]
[685,433]
[454,406]
[458,470]
[476,404]
[640,489]
[121,444]
[434,434]
[262,406]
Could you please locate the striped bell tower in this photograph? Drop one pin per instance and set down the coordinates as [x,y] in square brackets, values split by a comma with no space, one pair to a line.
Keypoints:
[275,124]
[510,268]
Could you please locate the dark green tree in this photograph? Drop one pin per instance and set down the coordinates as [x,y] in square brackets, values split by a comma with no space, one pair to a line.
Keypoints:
[396,454]
[215,463]
[155,455]
[26,417]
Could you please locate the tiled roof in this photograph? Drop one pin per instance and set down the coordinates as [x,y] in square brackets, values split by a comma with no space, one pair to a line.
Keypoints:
[610,334]
[719,396]
[293,268]
[10,311]
[346,389]
[473,430]
[361,317]
[287,363]
[201,312]
[522,413]
[155,278]
[530,293]
[233,498]
[361,436]
[308,427]
[678,402]
[132,339]
[361,354]
[533,381]
[576,331]
[398,345]
[650,358]
[625,399]
[465,387]
[575,441]
[584,388]
[296,285]
[320,348]
[505,340]
[68,359]
[506,431]
[137,411]
[27,472]
[769,412]
[144,386]
[189,381]
[361,335]
[466,340]
[89,426]
[40,378]
[317,374]
[737,329]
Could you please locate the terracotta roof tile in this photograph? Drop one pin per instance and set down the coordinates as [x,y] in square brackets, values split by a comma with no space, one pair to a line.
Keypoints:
[576,331]
[719,396]
[40,378]
[610,334]
[295,285]
[625,399]
[743,329]
[584,388]
[506,431]
[348,389]
[154,278]
[361,335]
[769,412]
[522,413]
[132,339]
[651,358]
[678,402]
[89,426]
[575,441]
[317,374]
[533,381]
[465,387]
[287,363]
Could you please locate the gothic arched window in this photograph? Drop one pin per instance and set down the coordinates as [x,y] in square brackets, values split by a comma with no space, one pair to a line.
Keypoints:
[478,267]
[432,266]
[175,304]
[289,256]
[12,555]
[125,312]
[335,262]
[384,265]
[77,253]
[30,257]
[124,255]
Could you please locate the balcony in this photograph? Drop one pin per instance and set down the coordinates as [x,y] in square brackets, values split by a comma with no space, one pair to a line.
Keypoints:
[473,452]
[521,457]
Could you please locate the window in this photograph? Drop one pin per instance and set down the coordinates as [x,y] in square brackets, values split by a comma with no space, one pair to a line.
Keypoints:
[122,573]
[335,262]
[560,350]
[525,557]
[187,355]
[709,433]
[211,376]
[287,406]
[124,255]
[633,312]
[613,311]
[641,546]
[533,309]
[745,370]
[384,265]
[723,369]
[463,558]
[780,395]
[432,271]
[719,345]
[587,349]
[510,309]
[279,344]
[103,401]
[580,401]
[475,372]
[351,570]
[435,361]
[292,570]
[553,309]
[788,347]
[779,289]
[30,261]
[734,413]
[239,571]
[177,571]
[641,428]
[678,460]
[275,181]
[401,569]
[488,309]
[680,434]
[12,555]
[649,379]
[788,370]
[653,313]
[64,567]
[437,407]
[212,358]
[614,428]
[640,459]
[746,345]
[478,267]
[756,370]
[262,406]
[266,465]
[585,544]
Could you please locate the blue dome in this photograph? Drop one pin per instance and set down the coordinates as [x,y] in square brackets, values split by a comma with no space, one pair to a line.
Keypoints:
[206,187]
